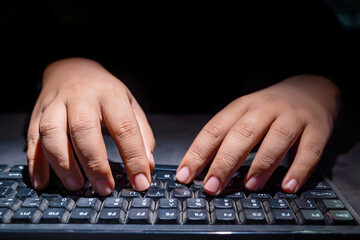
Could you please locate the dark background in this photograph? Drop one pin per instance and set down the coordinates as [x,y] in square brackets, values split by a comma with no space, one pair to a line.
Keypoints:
[186,58]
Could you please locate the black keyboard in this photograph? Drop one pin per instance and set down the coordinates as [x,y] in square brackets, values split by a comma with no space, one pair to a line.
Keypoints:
[169,210]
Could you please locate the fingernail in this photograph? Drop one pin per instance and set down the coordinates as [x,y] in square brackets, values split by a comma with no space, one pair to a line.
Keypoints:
[212,185]
[291,185]
[183,174]
[103,188]
[36,181]
[73,183]
[141,182]
[253,184]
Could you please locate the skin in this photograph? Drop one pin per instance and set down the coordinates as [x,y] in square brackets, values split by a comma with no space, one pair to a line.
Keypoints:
[299,110]
[79,96]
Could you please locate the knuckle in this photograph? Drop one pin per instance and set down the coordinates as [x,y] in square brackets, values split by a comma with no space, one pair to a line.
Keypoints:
[227,161]
[245,130]
[196,152]
[83,126]
[48,128]
[96,164]
[313,148]
[284,132]
[264,161]
[134,164]
[125,129]
[214,129]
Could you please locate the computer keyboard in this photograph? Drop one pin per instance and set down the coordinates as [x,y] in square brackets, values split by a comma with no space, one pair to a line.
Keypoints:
[170,210]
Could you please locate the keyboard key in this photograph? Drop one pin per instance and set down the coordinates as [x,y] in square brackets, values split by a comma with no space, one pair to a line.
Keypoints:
[328,204]
[196,216]
[252,216]
[83,215]
[112,202]
[168,216]
[248,203]
[5,215]
[26,215]
[11,175]
[10,203]
[318,194]
[156,193]
[39,203]
[221,203]
[111,215]
[139,216]
[281,216]
[260,196]
[299,204]
[314,217]
[93,203]
[224,216]
[162,175]
[7,193]
[59,202]
[181,193]
[129,193]
[287,196]
[55,215]
[8,184]
[169,203]
[195,203]
[24,193]
[339,217]
[142,203]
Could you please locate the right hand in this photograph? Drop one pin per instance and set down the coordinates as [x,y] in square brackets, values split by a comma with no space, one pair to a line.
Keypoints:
[78,97]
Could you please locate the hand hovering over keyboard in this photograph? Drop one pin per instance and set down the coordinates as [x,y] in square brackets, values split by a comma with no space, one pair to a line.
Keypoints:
[79,97]
[297,111]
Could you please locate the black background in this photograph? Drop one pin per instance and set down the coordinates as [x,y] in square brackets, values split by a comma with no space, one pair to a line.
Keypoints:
[182,58]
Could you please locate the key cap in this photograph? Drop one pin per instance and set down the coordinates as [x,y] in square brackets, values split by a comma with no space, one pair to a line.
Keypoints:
[7,193]
[162,175]
[318,194]
[10,175]
[181,193]
[195,203]
[59,202]
[155,183]
[221,203]
[93,203]
[39,203]
[156,193]
[248,203]
[299,204]
[116,203]
[24,193]
[171,184]
[17,168]
[167,216]
[281,216]
[169,203]
[252,216]
[339,217]
[260,196]
[10,203]
[5,215]
[142,203]
[224,216]
[236,195]
[328,204]
[310,217]
[111,215]
[129,193]
[287,196]
[139,216]
[83,215]
[26,215]
[196,216]
[8,184]
[55,215]
[4,168]
[275,204]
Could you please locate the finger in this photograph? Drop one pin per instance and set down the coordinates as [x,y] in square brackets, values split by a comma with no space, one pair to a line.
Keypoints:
[85,132]
[311,146]
[124,129]
[37,163]
[242,137]
[206,144]
[56,145]
[280,137]
[145,129]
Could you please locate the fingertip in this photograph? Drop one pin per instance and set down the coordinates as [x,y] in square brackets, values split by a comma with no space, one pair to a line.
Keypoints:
[183,174]
[212,186]
[141,182]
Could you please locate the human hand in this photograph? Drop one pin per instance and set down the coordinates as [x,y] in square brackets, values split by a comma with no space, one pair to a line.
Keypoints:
[78,97]
[300,109]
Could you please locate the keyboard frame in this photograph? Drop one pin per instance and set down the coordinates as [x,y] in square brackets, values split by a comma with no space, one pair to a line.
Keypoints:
[166,231]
